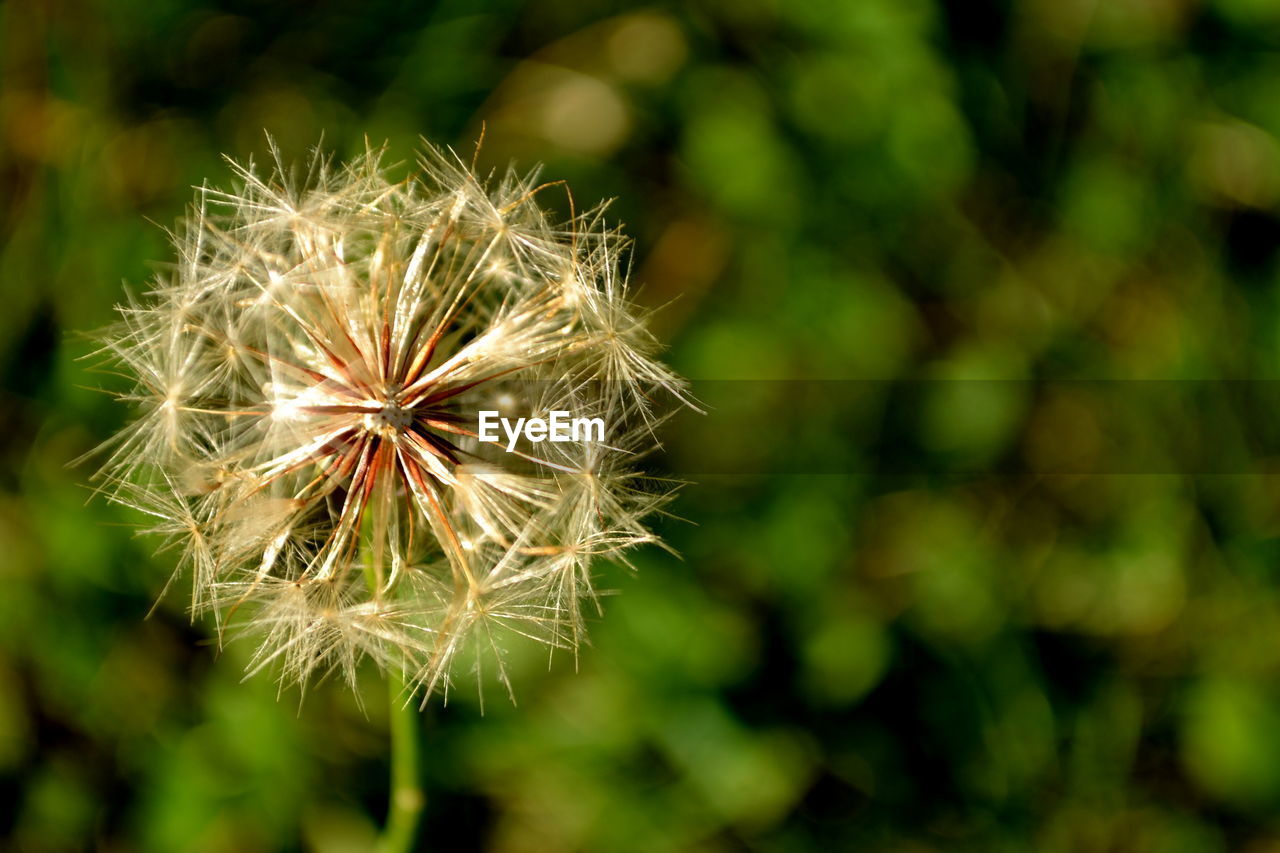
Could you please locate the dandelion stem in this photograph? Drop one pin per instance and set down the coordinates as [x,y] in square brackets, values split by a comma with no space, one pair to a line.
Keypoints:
[404,811]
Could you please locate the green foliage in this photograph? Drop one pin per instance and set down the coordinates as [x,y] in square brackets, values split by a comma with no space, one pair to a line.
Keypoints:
[951,601]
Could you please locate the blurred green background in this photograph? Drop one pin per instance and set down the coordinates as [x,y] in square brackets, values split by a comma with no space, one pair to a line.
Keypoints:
[893,190]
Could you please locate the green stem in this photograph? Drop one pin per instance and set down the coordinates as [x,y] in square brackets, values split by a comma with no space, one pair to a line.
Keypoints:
[404,812]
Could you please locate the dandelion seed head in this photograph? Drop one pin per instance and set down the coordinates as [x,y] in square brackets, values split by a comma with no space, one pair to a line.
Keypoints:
[308,378]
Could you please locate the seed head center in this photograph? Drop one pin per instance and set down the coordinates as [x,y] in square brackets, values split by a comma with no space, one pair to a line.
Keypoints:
[389,420]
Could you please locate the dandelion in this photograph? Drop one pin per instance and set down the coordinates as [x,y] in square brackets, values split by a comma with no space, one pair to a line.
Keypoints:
[307,379]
